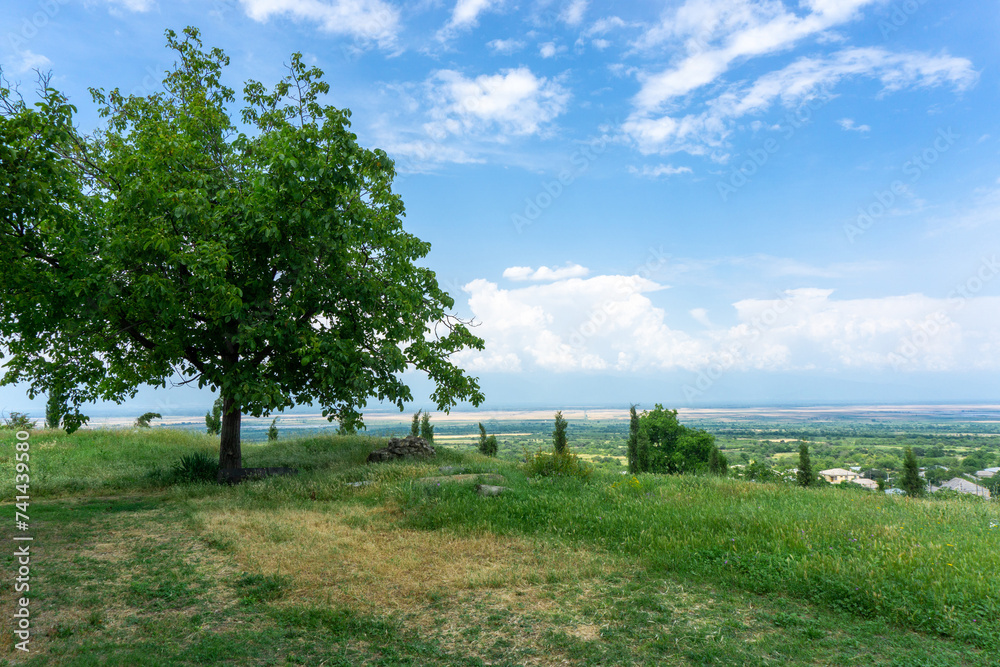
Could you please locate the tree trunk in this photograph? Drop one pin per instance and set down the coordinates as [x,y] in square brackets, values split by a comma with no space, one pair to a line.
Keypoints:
[229,448]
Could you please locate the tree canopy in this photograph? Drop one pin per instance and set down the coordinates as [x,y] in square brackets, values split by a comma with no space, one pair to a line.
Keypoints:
[673,447]
[265,258]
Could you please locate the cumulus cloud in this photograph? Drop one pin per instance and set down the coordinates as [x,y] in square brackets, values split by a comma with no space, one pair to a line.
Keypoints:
[610,322]
[513,101]
[366,20]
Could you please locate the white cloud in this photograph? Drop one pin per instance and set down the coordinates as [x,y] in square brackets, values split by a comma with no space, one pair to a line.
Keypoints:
[465,15]
[367,20]
[505,46]
[514,101]
[659,170]
[572,13]
[548,49]
[803,80]
[848,124]
[30,61]
[717,33]
[609,322]
[545,273]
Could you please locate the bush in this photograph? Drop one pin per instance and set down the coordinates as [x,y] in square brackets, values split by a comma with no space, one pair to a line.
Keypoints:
[272,431]
[143,420]
[18,421]
[551,464]
[487,444]
[197,467]
[213,419]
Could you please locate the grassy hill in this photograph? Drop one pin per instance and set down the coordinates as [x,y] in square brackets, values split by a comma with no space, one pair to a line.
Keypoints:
[131,567]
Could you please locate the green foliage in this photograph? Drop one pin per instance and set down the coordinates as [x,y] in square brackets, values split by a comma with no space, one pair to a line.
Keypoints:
[487,444]
[556,464]
[805,475]
[911,482]
[213,419]
[666,446]
[178,237]
[633,441]
[426,428]
[718,464]
[272,431]
[197,467]
[143,420]
[758,471]
[19,421]
[54,408]
[415,424]
[559,444]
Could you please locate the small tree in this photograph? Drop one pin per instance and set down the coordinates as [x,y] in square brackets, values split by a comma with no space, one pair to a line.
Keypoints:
[633,441]
[718,464]
[487,444]
[415,424]
[272,432]
[559,435]
[426,429]
[54,408]
[911,482]
[805,476]
[143,420]
[213,419]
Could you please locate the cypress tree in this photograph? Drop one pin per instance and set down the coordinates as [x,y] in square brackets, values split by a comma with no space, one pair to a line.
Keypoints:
[805,476]
[912,484]
[633,441]
[415,424]
[559,435]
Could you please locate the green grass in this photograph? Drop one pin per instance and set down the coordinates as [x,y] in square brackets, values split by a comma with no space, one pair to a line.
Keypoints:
[132,567]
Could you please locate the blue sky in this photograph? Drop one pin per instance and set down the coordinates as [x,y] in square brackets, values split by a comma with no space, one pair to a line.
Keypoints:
[694,203]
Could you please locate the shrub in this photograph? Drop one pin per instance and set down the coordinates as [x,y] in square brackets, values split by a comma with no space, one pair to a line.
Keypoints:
[272,431]
[198,467]
[426,430]
[18,421]
[143,420]
[554,464]
[213,419]
[487,444]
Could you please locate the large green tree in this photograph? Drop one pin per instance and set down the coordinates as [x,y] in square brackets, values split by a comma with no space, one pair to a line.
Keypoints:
[264,258]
